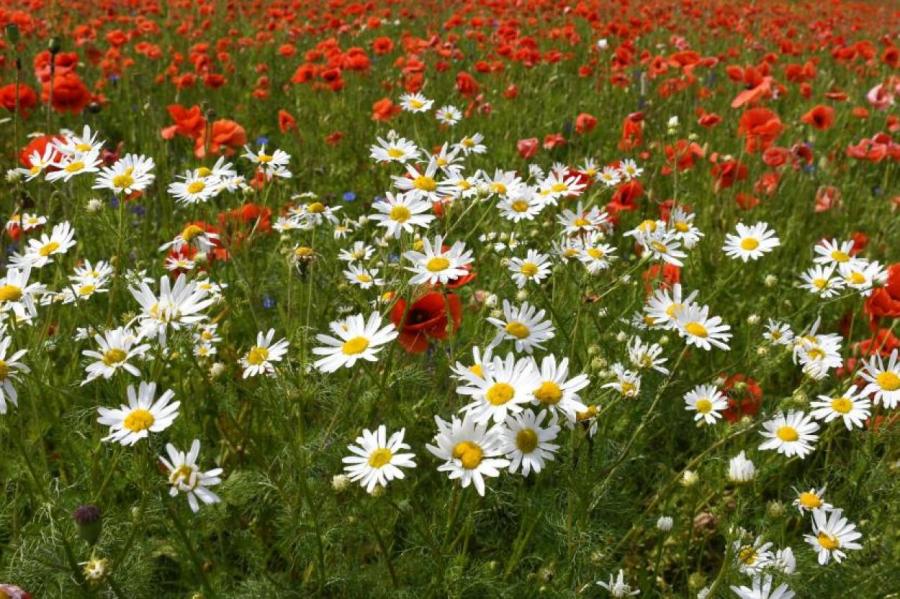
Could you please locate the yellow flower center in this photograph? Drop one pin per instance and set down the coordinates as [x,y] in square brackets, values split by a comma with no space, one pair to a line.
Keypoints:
[380,457]
[559,187]
[815,353]
[257,355]
[182,475]
[10,293]
[123,181]
[74,167]
[469,453]
[520,206]
[703,405]
[587,414]
[363,278]
[820,283]
[85,290]
[315,207]
[190,232]
[354,346]
[498,188]
[696,329]
[395,152]
[749,244]
[437,264]
[416,104]
[856,278]
[48,248]
[139,420]
[423,183]
[548,393]
[842,405]
[82,147]
[500,393]
[400,213]
[839,256]
[204,171]
[809,500]
[888,381]
[682,227]
[787,433]
[303,251]
[647,226]
[526,440]
[581,222]
[518,330]
[114,356]
[747,555]
[4,370]
[828,542]
[628,388]
[659,247]
[529,269]
[477,370]
[196,186]
[595,253]
[264,158]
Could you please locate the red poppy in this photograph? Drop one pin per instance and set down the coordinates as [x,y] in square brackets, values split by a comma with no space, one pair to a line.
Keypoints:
[760,127]
[384,110]
[26,101]
[225,137]
[821,117]
[744,397]
[466,84]
[884,302]
[69,93]
[286,121]
[189,122]
[527,148]
[585,123]
[432,316]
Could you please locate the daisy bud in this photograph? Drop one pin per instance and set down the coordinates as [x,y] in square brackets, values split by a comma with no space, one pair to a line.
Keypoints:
[13,175]
[664,340]
[340,482]
[665,523]
[696,580]
[753,319]
[775,509]
[593,350]
[216,370]
[377,491]
[94,205]
[496,314]
[689,478]
[762,350]
[621,337]
[598,364]
[89,522]
[504,262]
[800,397]
[521,295]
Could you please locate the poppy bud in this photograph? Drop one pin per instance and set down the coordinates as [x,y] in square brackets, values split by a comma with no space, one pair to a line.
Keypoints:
[12,33]
[54,45]
[89,522]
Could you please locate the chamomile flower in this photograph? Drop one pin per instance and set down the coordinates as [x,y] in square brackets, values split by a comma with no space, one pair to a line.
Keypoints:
[812,500]
[644,356]
[852,407]
[193,188]
[435,265]
[41,252]
[617,586]
[629,169]
[778,333]
[356,339]
[504,388]
[831,535]
[129,174]
[581,220]
[174,307]
[401,212]
[833,252]
[521,203]
[481,359]
[193,235]
[556,391]
[663,308]
[791,434]
[503,183]
[360,251]
[558,186]
[470,451]
[817,353]
[143,415]
[16,293]
[10,367]
[527,443]
[593,253]
[422,184]
[664,245]
[627,383]
[448,115]
[862,275]
[377,459]
[471,144]
[682,223]
[396,149]
[534,268]
[751,558]
[186,477]
[750,243]
[610,176]
[820,280]
[73,165]
[762,589]
[698,328]
[415,103]
[115,349]
[741,469]
[362,277]
[525,326]
[259,359]
[707,401]
[272,165]
[883,379]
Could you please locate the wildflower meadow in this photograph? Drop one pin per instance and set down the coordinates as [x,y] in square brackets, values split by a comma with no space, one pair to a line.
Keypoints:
[469,299]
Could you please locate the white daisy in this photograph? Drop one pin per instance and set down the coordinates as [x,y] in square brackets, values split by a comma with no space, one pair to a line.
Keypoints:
[617,586]
[377,458]
[115,348]
[261,356]
[831,535]
[883,379]
[853,407]
[506,385]
[434,265]
[357,339]
[697,328]
[129,174]
[812,500]
[534,267]
[401,212]
[186,477]
[524,325]
[10,367]
[143,415]
[762,589]
[750,243]
[470,451]
[707,401]
[791,434]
